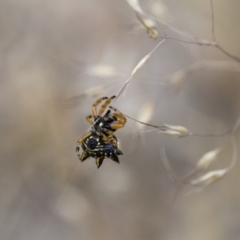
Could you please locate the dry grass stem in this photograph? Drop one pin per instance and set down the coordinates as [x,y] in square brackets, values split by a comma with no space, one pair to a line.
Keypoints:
[234,129]
[172,175]
[179,78]
[136,69]
[198,41]
[213,30]
[171,130]
[221,49]
[144,123]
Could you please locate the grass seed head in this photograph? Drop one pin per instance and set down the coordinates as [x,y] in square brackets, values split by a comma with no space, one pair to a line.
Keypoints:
[149,25]
[207,159]
[175,131]
[140,65]
[209,178]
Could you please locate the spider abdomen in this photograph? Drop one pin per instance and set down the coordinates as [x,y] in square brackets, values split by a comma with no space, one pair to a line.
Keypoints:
[97,147]
[91,143]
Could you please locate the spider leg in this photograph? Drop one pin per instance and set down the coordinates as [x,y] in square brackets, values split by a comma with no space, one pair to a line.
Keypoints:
[79,142]
[118,124]
[114,141]
[116,144]
[107,132]
[94,106]
[121,120]
[118,151]
[105,135]
[88,118]
[104,106]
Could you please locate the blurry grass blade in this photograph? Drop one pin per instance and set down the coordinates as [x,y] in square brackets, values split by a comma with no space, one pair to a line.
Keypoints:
[90,92]
[134,4]
[95,91]
[177,79]
[145,113]
[160,11]
[207,159]
[101,70]
[172,176]
[148,22]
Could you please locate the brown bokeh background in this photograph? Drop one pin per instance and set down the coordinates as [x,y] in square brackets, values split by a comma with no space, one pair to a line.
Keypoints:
[47,48]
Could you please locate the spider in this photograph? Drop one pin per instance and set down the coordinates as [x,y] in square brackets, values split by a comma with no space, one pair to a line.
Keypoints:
[100,142]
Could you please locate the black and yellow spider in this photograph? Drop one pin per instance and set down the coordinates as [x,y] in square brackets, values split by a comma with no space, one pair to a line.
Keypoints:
[100,142]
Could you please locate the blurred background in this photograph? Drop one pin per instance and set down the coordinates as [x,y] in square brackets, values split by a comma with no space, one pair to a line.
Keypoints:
[57,58]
